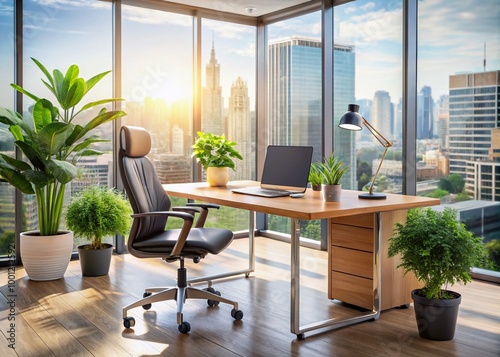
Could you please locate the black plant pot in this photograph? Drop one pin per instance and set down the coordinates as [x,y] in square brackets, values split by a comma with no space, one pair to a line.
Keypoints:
[95,262]
[436,319]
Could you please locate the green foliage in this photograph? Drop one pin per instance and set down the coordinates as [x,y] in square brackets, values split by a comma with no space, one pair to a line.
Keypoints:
[52,142]
[453,183]
[215,151]
[97,212]
[439,193]
[315,177]
[332,169]
[437,248]
[493,252]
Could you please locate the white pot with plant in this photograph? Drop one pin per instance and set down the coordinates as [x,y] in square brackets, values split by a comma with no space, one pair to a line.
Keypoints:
[93,214]
[215,153]
[52,140]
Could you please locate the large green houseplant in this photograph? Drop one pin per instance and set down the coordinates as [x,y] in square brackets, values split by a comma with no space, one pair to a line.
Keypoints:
[216,154]
[94,213]
[53,140]
[439,250]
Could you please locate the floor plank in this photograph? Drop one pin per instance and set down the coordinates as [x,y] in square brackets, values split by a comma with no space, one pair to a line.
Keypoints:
[83,316]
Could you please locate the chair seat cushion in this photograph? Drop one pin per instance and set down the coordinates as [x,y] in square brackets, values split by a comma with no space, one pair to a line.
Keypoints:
[199,242]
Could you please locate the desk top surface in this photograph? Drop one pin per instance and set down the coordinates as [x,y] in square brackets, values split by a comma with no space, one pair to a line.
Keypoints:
[309,207]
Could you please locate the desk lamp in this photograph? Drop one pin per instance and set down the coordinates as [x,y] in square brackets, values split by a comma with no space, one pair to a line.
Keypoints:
[352,120]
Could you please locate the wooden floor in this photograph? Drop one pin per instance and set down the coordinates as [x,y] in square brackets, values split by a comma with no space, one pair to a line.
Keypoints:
[77,316]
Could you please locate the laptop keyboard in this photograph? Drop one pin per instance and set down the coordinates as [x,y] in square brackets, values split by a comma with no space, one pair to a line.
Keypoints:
[263,192]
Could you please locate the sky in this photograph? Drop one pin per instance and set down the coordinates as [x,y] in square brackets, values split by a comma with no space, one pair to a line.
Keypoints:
[156,46]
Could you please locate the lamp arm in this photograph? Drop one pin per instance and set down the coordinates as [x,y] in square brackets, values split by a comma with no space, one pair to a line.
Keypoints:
[384,142]
[378,169]
[381,139]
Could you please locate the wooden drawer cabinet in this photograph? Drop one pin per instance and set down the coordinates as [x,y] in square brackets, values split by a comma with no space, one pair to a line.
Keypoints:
[351,262]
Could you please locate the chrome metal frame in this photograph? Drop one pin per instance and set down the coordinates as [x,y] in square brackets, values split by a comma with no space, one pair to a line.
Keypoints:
[332,323]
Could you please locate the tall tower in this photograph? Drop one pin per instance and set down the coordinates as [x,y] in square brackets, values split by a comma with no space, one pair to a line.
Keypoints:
[213,120]
[240,128]
[382,113]
[425,114]
[295,97]
[473,117]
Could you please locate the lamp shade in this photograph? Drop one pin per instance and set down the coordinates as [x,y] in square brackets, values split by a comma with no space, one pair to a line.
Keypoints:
[351,120]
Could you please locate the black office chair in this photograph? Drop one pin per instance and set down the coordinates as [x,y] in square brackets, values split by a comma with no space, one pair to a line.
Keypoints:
[149,237]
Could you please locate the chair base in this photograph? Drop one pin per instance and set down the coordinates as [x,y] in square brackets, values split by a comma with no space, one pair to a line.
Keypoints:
[180,294]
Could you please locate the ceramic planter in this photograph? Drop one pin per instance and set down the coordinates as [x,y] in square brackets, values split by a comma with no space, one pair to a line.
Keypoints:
[46,257]
[436,319]
[217,176]
[331,193]
[95,262]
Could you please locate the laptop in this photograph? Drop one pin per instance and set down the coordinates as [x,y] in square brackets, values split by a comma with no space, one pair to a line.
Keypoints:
[286,171]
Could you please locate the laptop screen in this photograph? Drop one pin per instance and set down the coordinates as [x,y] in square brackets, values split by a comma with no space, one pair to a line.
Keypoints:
[287,167]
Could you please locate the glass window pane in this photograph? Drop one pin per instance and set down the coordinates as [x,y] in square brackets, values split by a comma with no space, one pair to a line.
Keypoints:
[228,87]
[7,219]
[368,72]
[458,122]
[294,107]
[58,35]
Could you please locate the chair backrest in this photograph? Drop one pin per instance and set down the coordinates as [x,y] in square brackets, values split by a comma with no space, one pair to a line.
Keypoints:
[141,183]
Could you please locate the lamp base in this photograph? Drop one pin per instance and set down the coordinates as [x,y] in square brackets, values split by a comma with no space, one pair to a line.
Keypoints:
[373,196]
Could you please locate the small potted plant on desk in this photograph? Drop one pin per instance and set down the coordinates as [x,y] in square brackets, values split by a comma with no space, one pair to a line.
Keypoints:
[216,154]
[331,171]
[94,213]
[52,140]
[440,251]
[314,177]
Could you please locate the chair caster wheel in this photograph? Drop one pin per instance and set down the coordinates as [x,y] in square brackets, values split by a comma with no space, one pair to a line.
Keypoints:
[184,327]
[210,290]
[237,314]
[211,302]
[128,322]
[146,306]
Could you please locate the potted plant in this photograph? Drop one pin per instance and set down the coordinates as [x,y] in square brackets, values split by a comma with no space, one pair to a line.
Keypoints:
[440,251]
[94,213]
[215,153]
[331,171]
[52,140]
[314,177]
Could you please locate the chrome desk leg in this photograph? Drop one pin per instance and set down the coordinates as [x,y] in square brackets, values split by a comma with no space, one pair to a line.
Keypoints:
[251,258]
[333,323]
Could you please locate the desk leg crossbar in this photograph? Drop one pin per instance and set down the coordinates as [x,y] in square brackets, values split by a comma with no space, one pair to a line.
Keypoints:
[251,258]
[332,323]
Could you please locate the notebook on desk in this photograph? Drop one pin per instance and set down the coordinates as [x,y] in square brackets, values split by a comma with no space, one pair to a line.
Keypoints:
[286,171]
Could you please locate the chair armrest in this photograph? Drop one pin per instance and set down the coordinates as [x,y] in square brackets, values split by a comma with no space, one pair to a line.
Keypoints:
[186,227]
[204,213]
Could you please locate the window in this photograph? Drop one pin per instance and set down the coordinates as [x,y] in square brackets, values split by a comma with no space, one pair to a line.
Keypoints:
[458,113]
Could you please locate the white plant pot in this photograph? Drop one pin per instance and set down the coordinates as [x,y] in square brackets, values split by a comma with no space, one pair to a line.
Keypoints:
[217,176]
[46,257]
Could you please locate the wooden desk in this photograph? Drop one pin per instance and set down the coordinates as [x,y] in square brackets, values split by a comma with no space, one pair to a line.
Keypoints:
[352,217]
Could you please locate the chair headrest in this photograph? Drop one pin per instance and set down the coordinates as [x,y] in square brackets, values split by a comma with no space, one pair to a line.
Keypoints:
[135,141]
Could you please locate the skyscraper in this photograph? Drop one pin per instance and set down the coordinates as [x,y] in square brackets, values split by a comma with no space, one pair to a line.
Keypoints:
[213,120]
[474,115]
[239,124]
[425,114]
[295,97]
[382,113]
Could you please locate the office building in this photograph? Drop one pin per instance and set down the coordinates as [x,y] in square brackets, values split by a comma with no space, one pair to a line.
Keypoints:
[294,104]
[425,114]
[213,103]
[473,116]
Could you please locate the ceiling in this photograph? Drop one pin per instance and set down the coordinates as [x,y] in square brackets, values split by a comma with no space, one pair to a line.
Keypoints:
[252,8]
